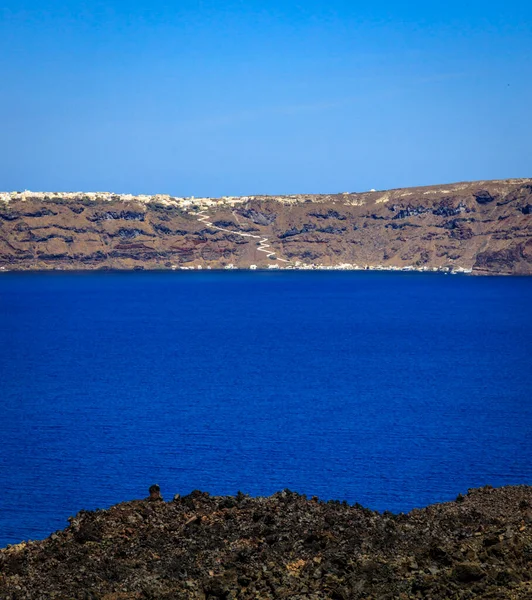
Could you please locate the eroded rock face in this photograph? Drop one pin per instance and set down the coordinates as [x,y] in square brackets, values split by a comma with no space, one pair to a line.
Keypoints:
[484,226]
[505,259]
[201,547]
[483,197]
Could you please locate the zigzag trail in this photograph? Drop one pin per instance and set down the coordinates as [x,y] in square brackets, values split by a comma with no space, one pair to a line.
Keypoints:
[263,245]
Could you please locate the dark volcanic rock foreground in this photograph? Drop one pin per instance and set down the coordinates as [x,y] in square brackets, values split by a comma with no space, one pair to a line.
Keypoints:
[284,546]
[484,227]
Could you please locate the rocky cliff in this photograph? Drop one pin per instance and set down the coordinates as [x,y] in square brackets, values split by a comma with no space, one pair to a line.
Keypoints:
[200,547]
[484,226]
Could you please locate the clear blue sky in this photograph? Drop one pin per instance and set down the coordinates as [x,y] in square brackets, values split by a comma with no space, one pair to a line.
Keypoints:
[212,97]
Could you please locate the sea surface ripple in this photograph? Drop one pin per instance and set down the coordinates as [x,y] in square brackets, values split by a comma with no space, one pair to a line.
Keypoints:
[394,390]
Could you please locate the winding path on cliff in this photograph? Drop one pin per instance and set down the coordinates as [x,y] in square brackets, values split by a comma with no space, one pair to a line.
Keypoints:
[263,241]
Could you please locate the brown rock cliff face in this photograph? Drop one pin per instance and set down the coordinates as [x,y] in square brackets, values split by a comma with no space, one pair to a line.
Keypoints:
[483,226]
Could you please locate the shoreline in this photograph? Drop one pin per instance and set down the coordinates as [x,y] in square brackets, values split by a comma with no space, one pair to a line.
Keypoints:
[342,268]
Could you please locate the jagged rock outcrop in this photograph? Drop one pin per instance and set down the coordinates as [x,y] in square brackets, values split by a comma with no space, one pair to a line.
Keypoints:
[200,547]
[482,226]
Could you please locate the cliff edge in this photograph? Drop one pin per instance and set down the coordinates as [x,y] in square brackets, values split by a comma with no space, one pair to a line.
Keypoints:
[483,227]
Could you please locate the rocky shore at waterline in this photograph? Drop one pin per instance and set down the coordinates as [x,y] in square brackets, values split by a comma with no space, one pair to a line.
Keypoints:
[284,546]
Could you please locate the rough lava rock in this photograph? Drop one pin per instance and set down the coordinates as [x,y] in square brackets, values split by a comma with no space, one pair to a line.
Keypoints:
[285,546]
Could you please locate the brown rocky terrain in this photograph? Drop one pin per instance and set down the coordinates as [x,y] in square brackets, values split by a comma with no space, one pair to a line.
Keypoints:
[285,546]
[483,226]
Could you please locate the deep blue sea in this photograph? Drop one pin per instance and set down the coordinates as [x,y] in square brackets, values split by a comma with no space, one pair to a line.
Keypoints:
[394,390]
